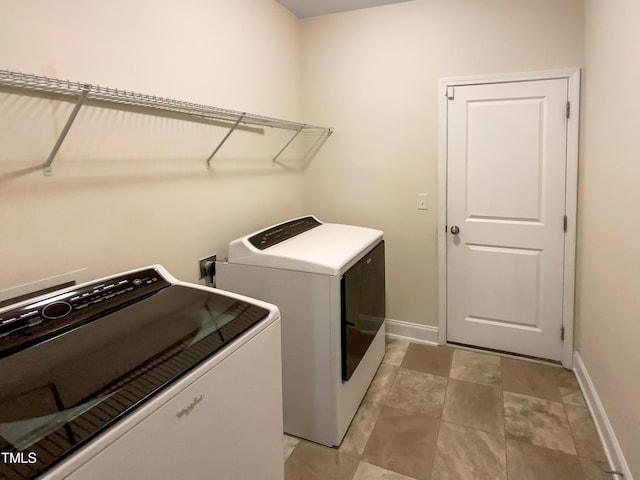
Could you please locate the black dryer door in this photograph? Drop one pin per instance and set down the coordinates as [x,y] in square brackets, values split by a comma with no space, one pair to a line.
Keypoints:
[363,307]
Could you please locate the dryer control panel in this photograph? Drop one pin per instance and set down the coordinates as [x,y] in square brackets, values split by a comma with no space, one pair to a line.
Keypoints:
[284,231]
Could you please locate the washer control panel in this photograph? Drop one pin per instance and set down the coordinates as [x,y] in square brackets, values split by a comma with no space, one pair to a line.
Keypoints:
[59,311]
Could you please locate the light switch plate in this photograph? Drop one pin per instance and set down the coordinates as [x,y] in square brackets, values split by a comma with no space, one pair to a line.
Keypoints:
[423,201]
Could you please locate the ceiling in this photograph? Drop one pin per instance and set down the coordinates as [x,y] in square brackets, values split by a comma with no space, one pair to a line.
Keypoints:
[312,8]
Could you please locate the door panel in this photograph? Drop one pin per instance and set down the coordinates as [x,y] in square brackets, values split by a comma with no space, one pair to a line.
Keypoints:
[506,193]
[510,275]
[497,186]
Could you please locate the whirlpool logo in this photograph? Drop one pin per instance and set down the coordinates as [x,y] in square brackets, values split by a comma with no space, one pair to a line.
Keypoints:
[19,458]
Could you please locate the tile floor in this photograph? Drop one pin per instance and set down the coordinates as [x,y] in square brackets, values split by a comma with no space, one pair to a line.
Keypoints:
[441,413]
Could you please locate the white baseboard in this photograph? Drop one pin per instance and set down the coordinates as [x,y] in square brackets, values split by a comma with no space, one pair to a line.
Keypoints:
[413,332]
[605,430]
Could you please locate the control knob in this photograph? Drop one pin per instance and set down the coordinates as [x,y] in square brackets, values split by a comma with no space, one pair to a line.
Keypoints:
[56,310]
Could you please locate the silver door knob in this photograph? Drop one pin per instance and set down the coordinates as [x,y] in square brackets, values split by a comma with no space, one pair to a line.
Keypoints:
[455,230]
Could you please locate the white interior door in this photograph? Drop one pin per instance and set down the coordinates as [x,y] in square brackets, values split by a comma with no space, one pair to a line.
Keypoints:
[506,170]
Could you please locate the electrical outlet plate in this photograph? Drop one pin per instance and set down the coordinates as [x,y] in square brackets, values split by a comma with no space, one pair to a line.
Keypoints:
[202,265]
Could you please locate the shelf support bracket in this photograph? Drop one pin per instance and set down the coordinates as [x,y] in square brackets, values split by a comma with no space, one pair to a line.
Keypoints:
[46,167]
[235,125]
[273,162]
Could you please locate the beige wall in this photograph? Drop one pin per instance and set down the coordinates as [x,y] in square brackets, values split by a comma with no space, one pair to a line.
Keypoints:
[374,74]
[131,189]
[608,276]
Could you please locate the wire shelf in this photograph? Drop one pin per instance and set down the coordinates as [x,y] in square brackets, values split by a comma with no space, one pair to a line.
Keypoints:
[83,91]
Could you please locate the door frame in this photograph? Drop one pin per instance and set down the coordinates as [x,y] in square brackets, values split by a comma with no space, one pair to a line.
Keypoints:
[571,192]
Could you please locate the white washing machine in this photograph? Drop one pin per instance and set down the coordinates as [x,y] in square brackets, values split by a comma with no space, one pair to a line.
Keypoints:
[138,376]
[328,280]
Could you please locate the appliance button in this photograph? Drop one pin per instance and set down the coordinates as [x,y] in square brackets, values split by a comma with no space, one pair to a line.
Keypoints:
[56,310]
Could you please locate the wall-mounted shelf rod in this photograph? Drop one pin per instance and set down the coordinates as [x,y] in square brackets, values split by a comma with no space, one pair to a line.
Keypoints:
[235,125]
[47,165]
[287,144]
[86,91]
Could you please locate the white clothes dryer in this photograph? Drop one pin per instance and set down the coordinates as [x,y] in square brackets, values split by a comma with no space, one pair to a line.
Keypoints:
[328,280]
